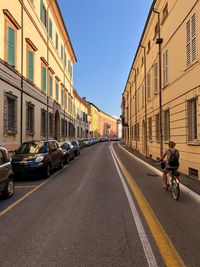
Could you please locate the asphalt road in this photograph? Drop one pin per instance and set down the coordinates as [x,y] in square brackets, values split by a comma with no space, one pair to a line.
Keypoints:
[81,217]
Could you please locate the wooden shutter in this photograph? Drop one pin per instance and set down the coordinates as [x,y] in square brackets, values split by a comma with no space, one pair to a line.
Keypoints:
[11,47]
[41,10]
[188,43]
[5,114]
[44,79]
[30,66]
[193,36]
[50,29]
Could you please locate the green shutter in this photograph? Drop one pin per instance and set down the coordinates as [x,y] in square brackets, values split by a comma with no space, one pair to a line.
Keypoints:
[41,9]
[50,86]
[11,47]
[44,79]
[30,66]
[57,96]
[50,28]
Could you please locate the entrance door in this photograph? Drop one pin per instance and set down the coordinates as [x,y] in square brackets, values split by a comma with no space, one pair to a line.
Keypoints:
[57,126]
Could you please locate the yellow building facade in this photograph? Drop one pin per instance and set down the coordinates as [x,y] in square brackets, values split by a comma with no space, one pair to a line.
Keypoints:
[36,73]
[161,99]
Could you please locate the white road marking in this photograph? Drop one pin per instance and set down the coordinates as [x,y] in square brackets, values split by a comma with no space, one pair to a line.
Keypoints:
[142,234]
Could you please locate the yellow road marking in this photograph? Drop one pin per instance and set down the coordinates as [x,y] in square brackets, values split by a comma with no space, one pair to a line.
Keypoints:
[168,252]
[22,198]
[25,186]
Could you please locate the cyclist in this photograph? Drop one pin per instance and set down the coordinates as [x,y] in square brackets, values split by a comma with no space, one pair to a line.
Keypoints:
[172,162]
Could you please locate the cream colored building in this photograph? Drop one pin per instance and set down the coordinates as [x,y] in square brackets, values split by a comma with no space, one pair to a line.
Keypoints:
[81,117]
[36,73]
[161,99]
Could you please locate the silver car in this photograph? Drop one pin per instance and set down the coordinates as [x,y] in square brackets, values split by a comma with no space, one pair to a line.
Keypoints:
[7,187]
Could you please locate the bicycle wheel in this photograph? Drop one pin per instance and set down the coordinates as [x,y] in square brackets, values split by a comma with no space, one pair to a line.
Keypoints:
[175,190]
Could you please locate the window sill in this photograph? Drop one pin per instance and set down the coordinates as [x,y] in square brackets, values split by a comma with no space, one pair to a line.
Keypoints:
[165,86]
[10,133]
[30,134]
[164,19]
[191,65]
[150,141]
[193,143]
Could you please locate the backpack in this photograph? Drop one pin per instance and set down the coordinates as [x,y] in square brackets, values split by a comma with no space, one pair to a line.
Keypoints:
[173,159]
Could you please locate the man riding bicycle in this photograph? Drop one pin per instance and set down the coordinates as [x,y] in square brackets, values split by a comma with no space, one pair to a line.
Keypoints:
[172,162]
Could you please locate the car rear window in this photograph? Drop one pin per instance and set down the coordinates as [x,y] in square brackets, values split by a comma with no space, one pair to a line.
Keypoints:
[32,148]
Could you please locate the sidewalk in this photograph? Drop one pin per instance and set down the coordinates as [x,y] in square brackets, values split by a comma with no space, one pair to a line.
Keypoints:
[187,181]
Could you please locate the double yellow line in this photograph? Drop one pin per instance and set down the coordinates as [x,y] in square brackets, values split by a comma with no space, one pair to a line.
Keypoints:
[167,250]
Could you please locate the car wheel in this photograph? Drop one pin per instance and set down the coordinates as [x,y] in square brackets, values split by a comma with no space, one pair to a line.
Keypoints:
[67,160]
[9,189]
[61,163]
[47,171]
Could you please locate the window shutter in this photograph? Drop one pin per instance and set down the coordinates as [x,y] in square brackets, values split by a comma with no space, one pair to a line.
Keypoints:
[44,77]
[193,35]
[50,86]
[41,10]
[50,28]
[11,47]
[30,66]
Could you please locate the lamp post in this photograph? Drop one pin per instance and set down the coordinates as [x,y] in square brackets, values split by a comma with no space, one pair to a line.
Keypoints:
[159,42]
[135,78]
[129,123]
[145,99]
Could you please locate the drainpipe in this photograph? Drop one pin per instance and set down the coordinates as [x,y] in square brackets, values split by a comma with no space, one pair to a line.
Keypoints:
[159,42]
[48,66]
[135,109]
[22,68]
[145,98]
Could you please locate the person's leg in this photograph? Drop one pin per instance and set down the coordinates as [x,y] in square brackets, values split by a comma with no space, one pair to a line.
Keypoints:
[165,178]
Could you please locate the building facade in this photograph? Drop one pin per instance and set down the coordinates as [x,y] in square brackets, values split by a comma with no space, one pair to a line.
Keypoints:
[36,73]
[81,117]
[161,99]
[107,125]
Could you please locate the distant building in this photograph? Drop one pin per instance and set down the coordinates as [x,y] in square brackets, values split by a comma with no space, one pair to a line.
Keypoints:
[119,128]
[107,125]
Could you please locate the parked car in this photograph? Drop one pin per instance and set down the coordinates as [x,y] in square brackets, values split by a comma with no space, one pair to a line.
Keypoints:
[36,157]
[68,151]
[76,147]
[7,186]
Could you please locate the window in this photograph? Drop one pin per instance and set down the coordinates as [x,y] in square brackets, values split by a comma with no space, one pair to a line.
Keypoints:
[150,128]
[62,52]
[30,110]
[63,127]
[50,29]
[51,124]
[155,78]
[11,42]
[2,158]
[77,131]
[69,68]
[157,121]
[10,113]
[62,96]
[65,60]
[57,91]
[166,125]
[137,71]
[164,13]
[138,131]
[149,46]
[142,61]
[148,86]
[191,40]
[30,64]
[143,95]
[156,30]
[66,128]
[50,85]
[192,119]
[43,122]
[44,78]
[44,16]
[56,41]
[165,68]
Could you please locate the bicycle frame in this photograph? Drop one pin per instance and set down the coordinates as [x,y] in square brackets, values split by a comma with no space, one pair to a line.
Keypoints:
[173,183]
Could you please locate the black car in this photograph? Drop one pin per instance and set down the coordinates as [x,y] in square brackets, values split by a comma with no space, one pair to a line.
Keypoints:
[36,157]
[76,147]
[67,150]
[7,186]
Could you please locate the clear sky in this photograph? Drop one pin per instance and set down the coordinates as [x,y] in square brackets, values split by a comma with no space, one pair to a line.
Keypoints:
[105,36]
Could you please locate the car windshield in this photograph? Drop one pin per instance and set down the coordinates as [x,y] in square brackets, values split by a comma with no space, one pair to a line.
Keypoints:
[74,143]
[64,146]
[32,148]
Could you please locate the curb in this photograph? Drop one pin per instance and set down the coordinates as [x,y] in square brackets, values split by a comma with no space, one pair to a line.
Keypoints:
[184,188]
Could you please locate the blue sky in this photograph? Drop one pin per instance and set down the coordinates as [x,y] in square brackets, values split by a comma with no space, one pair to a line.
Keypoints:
[105,36]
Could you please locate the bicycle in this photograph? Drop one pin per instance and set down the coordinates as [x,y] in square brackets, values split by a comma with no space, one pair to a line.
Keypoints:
[173,177]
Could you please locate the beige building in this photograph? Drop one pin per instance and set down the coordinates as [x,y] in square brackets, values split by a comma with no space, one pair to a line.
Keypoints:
[81,117]
[36,73]
[161,99]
